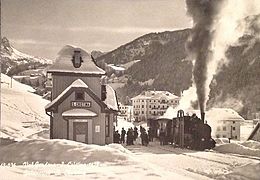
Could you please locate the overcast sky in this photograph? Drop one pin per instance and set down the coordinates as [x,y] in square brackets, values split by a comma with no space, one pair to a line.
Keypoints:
[43,27]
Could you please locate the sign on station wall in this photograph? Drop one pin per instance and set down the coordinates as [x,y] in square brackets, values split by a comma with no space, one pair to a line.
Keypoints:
[81,104]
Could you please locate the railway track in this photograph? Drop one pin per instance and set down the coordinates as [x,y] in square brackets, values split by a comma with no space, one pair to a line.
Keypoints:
[186,152]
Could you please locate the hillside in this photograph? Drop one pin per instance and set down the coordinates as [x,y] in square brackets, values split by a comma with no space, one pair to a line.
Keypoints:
[14,61]
[22,112]
[164,65]
[162,61]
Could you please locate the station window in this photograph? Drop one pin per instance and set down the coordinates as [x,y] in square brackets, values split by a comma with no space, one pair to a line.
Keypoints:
[107,122]
[79,95]
[224,128]
[234,128]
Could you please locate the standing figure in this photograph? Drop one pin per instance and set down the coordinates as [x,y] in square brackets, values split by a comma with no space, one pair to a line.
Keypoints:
[123,132]
[162,136]
[150,134]
[128,137]
[135,133]
[116,137]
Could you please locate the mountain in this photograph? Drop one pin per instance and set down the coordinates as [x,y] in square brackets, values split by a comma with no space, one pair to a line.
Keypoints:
[159,61]
[95,54]
[14,61]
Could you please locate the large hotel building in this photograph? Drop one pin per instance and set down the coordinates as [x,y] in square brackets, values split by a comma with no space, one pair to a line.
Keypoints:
[152,104]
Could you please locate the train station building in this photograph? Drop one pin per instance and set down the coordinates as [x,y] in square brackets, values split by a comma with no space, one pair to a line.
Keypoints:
[83,106]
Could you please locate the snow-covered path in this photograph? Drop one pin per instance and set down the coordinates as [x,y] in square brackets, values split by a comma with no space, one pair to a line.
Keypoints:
[194,164]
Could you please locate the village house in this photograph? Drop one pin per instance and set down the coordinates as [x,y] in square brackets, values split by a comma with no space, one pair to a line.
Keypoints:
[152,104]
[83,106]
[126,111]
[225,123]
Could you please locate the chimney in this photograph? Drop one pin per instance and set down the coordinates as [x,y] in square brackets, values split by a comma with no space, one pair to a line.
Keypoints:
[103,89]
[202,116]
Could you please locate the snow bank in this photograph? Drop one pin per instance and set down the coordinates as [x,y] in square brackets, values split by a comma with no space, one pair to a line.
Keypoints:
[249,148]
[250,171]
[221,140]
[58,151]
[22,112]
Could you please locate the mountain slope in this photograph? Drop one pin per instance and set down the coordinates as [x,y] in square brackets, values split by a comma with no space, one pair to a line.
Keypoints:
[22,112]
[14,61]
[162,59]
[163,65]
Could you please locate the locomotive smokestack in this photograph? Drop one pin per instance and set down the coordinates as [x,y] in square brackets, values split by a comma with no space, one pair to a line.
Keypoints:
[202,116]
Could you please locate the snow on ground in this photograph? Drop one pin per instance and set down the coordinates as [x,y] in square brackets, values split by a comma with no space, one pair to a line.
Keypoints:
[193,164]
[41,159]
[250,172]
[58,151]
[248,148]
[22,112]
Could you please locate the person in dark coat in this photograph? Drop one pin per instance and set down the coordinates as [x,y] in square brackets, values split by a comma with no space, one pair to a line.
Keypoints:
[135,133]
[150,134]
[144,138]
[116,137]
[129,137]
[162,136]
[123,132]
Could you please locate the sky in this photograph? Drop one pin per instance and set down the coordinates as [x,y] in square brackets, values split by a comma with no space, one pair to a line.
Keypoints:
[43,27]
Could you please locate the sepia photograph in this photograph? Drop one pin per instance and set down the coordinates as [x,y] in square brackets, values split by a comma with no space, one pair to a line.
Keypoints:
[130,89]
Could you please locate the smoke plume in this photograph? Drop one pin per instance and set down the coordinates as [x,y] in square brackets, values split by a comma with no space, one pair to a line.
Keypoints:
[204,13]
[217,24]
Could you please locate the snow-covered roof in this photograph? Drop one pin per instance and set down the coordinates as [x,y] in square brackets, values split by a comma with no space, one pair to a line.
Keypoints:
[214,114]
[79,112]
[223,114]
[76,83]
[156,95]
[111,99]
[64,64]
[169,114]
[116,68]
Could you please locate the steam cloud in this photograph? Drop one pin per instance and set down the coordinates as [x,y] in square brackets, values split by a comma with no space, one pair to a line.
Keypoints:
[203,12]
[217,24]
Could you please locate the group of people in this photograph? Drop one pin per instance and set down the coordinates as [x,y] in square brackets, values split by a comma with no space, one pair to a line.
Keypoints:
[131,135]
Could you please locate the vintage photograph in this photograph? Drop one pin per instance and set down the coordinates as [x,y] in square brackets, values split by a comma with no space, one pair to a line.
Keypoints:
[130,89]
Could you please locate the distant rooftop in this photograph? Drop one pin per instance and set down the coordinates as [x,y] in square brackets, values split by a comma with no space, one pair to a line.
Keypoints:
[64,62]
[155,95]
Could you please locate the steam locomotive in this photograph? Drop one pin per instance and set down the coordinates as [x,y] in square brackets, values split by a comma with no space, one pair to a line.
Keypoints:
[189,132]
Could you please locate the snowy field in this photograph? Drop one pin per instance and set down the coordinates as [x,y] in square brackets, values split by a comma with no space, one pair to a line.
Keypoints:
[64,159]
[22,112]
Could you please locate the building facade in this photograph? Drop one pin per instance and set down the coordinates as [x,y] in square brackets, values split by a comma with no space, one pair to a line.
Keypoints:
[153,104]
[83,107]
[126,111]
[225,123]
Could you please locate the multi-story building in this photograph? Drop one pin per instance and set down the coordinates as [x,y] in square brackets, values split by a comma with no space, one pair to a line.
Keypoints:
[126,111]
[152,104]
